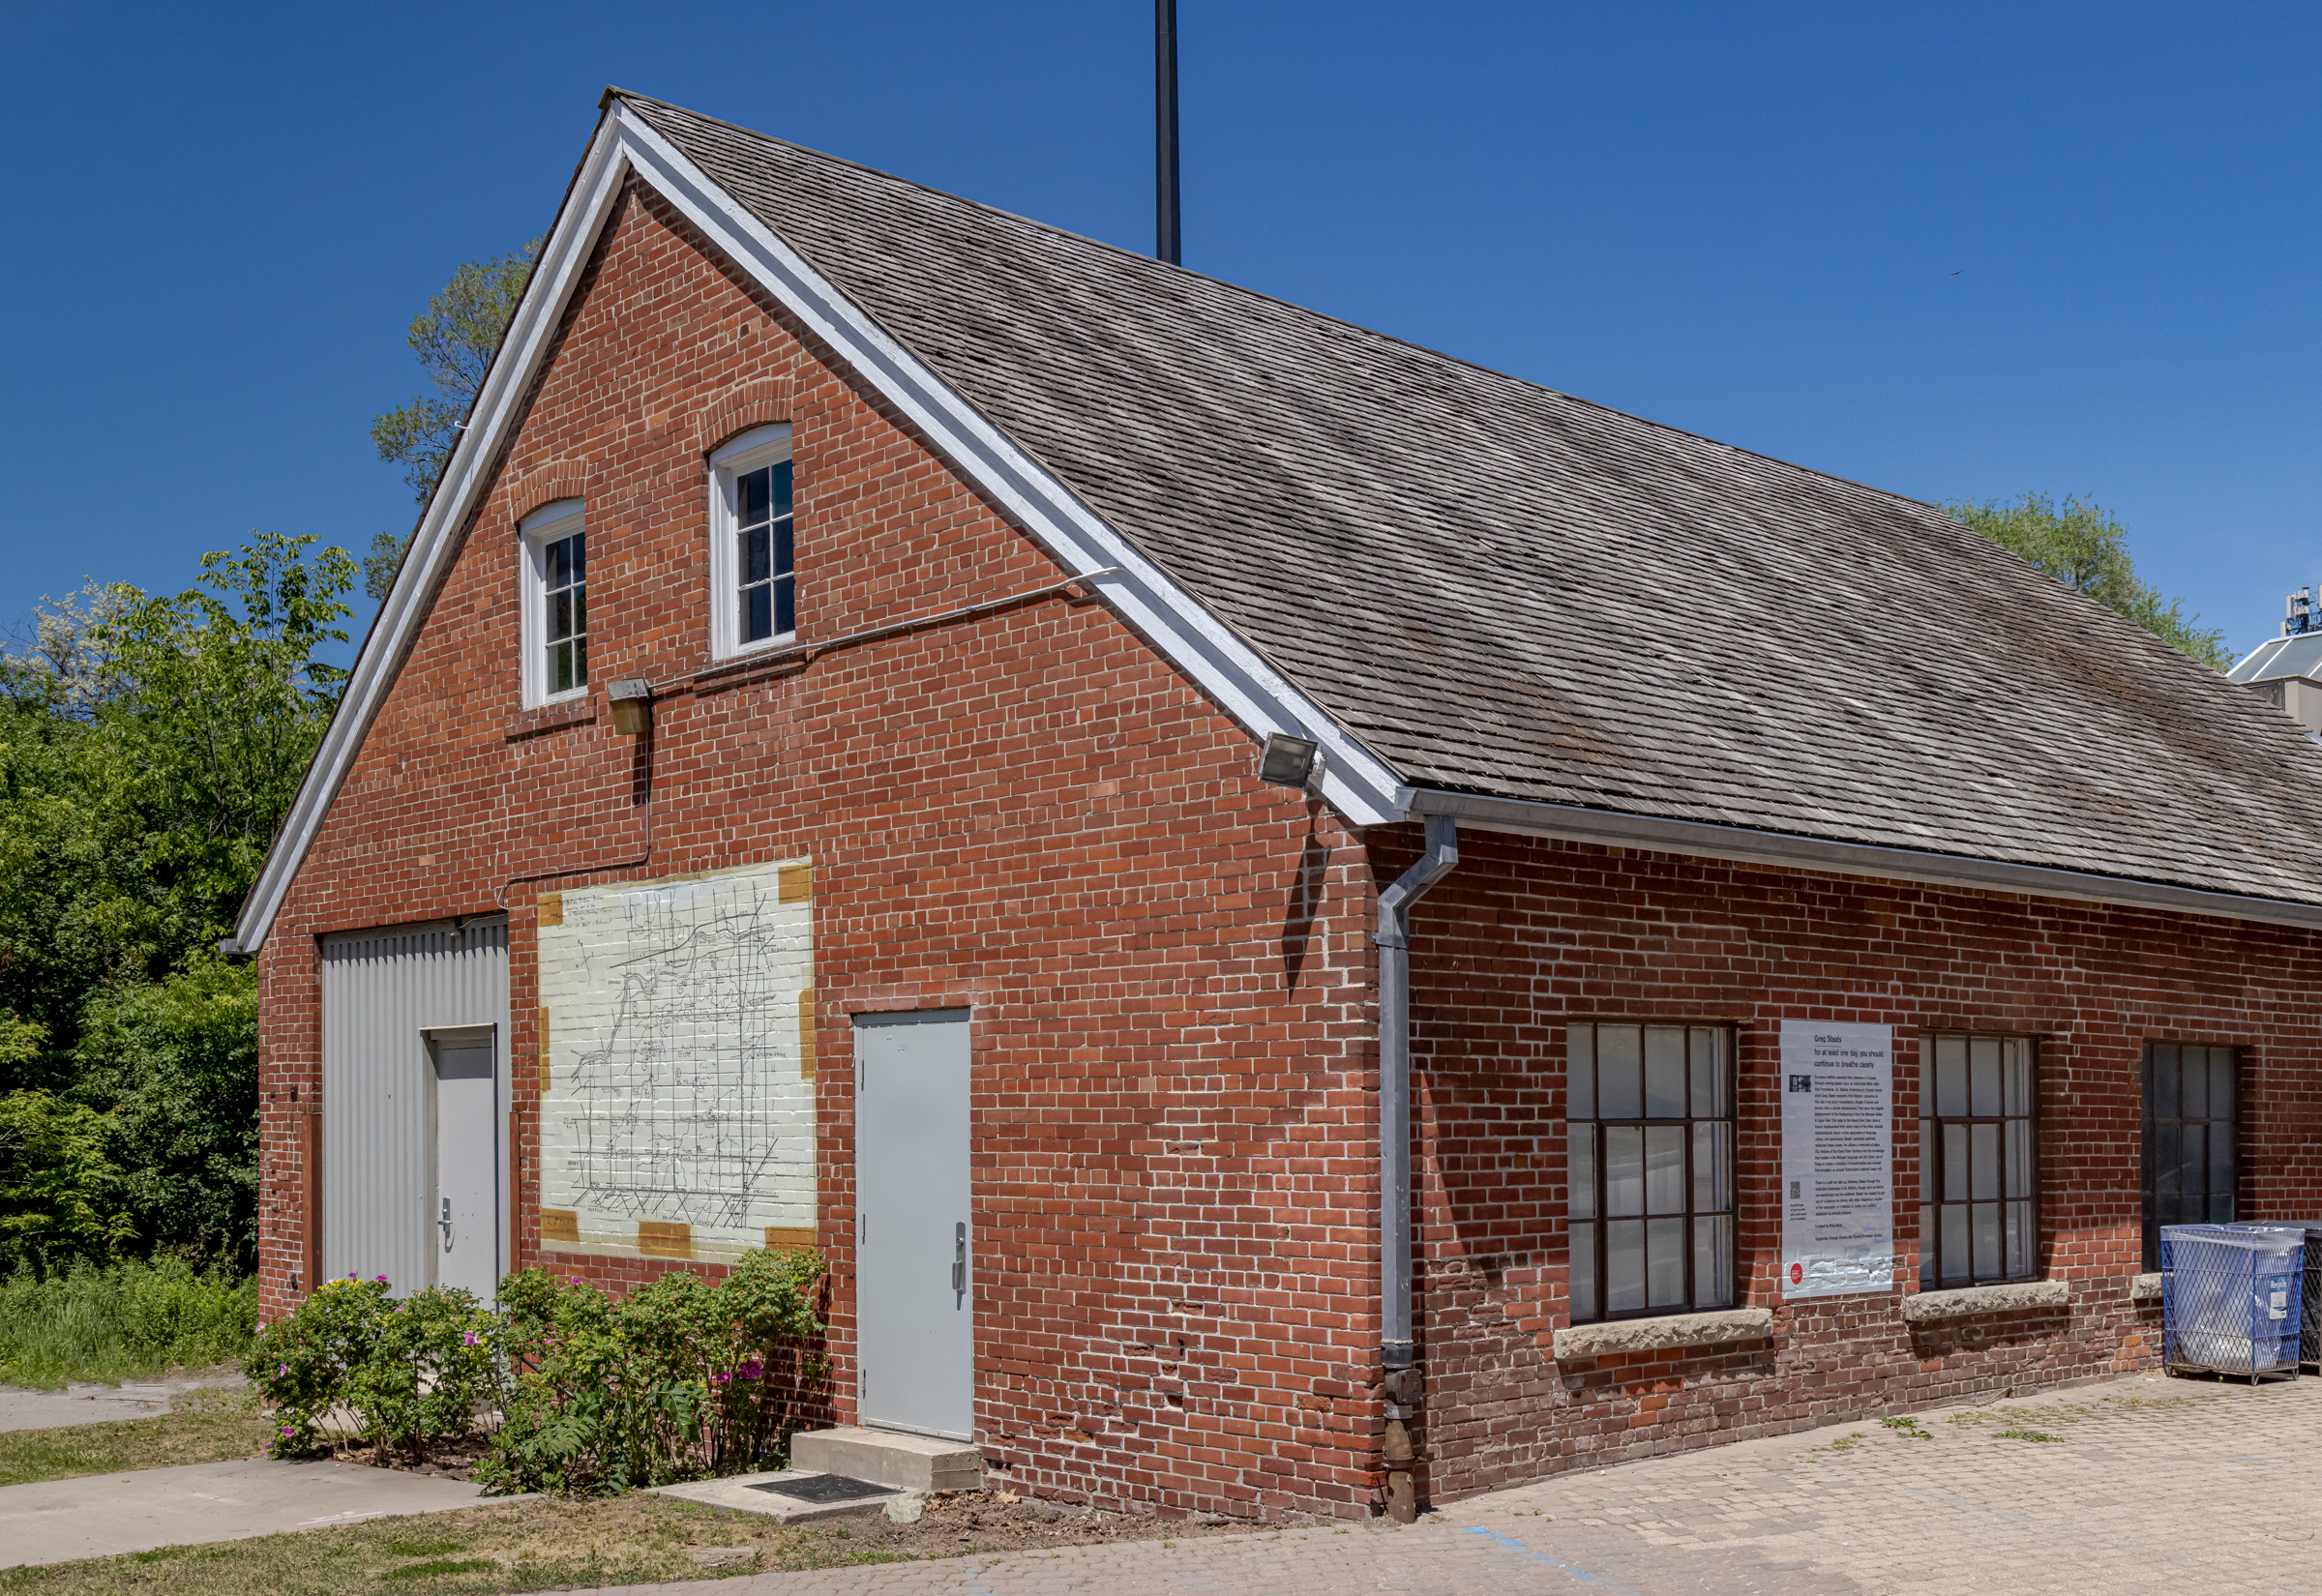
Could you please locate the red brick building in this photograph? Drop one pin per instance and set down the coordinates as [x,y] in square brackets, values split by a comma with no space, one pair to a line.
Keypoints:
[913,731]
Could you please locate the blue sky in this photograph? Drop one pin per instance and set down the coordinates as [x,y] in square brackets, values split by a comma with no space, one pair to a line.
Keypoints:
[1958,251]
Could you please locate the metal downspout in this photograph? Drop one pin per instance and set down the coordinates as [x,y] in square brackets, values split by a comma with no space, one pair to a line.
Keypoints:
[1396,1353]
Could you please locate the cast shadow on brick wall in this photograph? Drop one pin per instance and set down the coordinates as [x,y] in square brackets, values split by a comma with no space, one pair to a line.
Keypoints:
[1306,901]
[2042,1329]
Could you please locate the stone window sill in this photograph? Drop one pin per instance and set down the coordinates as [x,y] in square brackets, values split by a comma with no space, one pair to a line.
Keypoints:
[1972,1301]
[2145,1287]
[1579,1342]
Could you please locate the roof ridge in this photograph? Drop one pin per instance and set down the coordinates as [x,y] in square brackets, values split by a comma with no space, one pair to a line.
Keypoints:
[612,92]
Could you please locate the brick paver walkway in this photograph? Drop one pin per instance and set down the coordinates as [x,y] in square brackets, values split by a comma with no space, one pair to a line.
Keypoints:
[2148,1485]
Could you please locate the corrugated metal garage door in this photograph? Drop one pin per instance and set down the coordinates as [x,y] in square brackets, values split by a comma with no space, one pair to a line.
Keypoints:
[382,992]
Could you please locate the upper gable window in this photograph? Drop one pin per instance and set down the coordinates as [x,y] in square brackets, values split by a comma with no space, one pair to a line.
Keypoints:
[556,582]
[752,581]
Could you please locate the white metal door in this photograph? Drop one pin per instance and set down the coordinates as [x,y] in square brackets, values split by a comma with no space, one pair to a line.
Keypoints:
[914,1241]
[466,1218]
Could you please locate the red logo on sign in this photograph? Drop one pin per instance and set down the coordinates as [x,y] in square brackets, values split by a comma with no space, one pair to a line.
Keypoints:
[1797,1272]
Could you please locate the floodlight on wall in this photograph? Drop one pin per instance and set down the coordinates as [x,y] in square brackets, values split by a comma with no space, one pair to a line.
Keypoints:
[1287,762]
[632,706]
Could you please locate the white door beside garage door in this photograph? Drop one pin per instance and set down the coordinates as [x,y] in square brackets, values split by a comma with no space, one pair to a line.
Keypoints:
[467,1143]
[914,1238]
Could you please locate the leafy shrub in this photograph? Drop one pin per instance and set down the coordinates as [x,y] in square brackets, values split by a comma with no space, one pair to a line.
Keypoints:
[121,1321]
[676,1381]
[414,1373]
[60,1193]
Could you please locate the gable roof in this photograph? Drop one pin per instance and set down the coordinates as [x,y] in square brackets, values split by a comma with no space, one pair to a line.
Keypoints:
[1469,587]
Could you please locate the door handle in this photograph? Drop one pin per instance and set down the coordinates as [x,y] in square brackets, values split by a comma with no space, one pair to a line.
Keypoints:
[446,1221]
[958,1259]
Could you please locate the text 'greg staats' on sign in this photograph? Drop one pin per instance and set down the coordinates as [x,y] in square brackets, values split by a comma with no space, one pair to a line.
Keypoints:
[1838,1159]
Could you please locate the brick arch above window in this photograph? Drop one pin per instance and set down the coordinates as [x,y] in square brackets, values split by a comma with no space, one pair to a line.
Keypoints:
[545,484]
[738,410]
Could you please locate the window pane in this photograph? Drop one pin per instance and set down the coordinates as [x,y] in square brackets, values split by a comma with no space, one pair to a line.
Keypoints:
[1983,1163]
[561,668]
[2018,1067]
[1708,1072]
[1665,1169]
[579,662]
[2222,1165]
[2164,1082]
[1984,1077]
[2221,1082]
[1623,1169]
[781,548]
[1714,1260]
[560,563]
[1926,1245]
[2192,1085]
[2193,1182]
[1664,1071]
[786,613]
[1954,1163]
[755,567]
[1988,1240]
[1951,1075]
[1620,1073]
[2019,1239]
[1712,1181]
[780,474]
[2168,1146]
[560,614]
[580,607]
[2220,1207]
[1926,1078]
[1580,1071]
[751,494]
[579,543]
[757,613]
[2019,1158]
[1623,1266]
[1954,1244]
[1665,1263]
[1930,1167]
[1580,1170]
[1584,1272]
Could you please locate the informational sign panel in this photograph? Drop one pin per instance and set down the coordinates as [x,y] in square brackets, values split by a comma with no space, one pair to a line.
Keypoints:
[677,1094]
[1838,1159]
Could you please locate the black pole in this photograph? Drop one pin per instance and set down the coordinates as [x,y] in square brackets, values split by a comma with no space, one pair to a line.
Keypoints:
[1165,132]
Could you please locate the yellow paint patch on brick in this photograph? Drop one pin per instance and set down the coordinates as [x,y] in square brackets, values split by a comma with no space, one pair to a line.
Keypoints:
[782,1237]
[544,1051]
[657,1239]
[559,1224]
[806,1034]
[796,884]
[552,910]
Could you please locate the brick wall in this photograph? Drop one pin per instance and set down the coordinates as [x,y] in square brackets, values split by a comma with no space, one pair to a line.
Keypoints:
[1526,934]
[1028,812]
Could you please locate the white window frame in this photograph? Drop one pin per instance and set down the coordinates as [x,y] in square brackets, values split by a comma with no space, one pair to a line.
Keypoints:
[541,528]
[760,446]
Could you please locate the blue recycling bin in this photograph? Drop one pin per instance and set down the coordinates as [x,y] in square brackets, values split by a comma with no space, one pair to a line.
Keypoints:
[2231,1299]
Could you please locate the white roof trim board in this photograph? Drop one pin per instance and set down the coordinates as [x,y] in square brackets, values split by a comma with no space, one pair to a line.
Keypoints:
[1354,781]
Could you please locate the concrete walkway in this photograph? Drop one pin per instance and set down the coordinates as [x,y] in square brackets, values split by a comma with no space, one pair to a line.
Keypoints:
[96,1515]
[77,1403]
[2141,1486]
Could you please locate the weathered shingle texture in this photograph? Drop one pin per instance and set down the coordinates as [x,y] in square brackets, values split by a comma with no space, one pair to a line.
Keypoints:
[1506,590]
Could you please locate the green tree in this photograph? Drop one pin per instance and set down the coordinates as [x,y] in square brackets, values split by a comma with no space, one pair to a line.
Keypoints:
[2085,546]
[174,1066]
[454,338]
[60,1195]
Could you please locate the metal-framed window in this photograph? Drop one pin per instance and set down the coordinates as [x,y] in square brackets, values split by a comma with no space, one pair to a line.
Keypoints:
[1979,1179]
[1648,1143]
[2193,1168]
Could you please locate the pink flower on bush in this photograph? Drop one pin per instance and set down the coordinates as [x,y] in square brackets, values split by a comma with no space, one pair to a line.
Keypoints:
[381,1279]
[471,1339]
[751,1369]
[283,1372]
[719,1379]
[287,1431]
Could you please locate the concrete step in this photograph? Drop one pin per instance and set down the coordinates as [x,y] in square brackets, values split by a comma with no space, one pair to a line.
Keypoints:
[889,1458]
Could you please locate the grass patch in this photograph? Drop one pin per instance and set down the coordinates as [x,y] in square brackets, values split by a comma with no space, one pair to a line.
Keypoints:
[569,1543]
[120,1322]
[200,1427]
[2019,1433]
